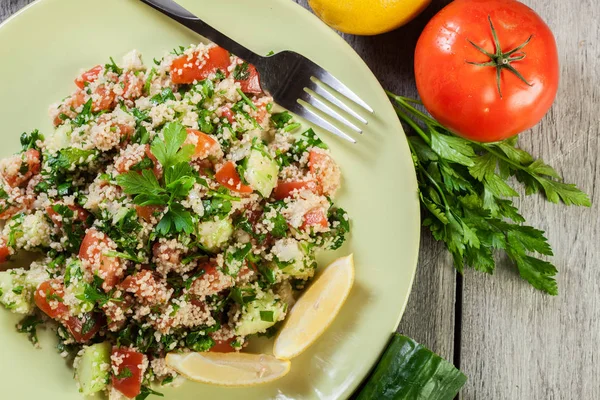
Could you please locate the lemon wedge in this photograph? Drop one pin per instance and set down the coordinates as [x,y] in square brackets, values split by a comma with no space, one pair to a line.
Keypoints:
[228,369]
[316,309]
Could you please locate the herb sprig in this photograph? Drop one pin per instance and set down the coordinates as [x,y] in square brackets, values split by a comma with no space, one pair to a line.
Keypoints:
[465,197]
[176,183]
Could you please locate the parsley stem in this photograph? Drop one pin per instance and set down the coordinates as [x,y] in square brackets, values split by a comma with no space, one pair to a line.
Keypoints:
[247,100]
[413,125]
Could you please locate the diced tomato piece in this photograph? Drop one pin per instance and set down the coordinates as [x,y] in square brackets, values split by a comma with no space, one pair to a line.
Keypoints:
[316,161]
[9,212]
[212,280]
[228,176]
[252,83]
[325,170]
[79,214]
[147,212]
[73,102]
[83,328]
[315,217]
[91,252]
[205,144]
[223,346]
[21,168]
[227,113]
[286,189]
[145,287]
[104,99]
[88,76]
[4,250]
[132,86]
[49,297]
[130,371]
[185,70]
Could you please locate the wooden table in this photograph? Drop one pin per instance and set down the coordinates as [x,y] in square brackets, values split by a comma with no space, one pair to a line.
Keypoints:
[514,342]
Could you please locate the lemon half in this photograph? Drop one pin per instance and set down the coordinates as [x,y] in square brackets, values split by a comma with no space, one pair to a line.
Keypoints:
[367,17]
[316,309]
[228,369]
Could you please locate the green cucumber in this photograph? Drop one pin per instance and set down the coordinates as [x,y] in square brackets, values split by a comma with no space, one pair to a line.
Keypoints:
[93,368]
[260,314]
[261,172]
[214,234]
[15,292]
[409,371]
[291,259]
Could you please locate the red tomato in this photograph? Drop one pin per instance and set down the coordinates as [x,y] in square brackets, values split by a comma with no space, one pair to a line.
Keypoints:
[228,176]
[223,346]
[147,212]
[252,83]
[285,189]
[88,77]
[464,95]
[4,250]
[79,214]
[128,379]
[71,103]
[227,113]
[76,326]
[205,144]
[105,100]
[315,217]
[92,250]
[29,164]
[132,86]
[185,70]
[145,286]
[49,297]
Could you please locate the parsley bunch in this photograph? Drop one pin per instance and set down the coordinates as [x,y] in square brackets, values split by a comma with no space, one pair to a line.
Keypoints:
[176,183]
[465,197]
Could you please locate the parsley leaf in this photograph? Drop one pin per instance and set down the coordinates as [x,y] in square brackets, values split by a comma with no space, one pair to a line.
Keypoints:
[144,186]
[170,151]
[29,140]
[465,197]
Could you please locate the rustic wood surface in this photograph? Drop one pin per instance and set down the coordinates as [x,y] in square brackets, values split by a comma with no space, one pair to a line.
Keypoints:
[512,341]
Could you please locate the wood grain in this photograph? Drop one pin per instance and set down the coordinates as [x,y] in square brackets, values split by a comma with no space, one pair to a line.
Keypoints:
[516,342]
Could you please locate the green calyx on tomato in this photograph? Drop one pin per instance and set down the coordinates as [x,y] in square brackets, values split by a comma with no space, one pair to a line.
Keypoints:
[501,60]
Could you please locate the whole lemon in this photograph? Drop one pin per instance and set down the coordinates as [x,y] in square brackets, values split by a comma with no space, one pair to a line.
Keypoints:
[367,17]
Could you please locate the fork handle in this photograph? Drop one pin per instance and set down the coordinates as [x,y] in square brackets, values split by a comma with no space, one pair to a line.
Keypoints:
[186,18]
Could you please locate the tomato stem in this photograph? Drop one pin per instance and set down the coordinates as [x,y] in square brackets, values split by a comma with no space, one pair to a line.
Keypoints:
[501,60]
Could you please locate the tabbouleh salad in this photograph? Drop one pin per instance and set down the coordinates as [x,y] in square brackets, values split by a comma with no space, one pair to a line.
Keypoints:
[175,211]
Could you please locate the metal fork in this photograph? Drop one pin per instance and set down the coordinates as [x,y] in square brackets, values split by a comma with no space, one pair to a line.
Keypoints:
[295,82]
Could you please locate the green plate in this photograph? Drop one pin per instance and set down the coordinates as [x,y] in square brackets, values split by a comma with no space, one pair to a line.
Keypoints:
[42,50]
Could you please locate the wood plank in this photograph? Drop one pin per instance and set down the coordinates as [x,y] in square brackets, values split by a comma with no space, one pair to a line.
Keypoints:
[7,8]
[518,343]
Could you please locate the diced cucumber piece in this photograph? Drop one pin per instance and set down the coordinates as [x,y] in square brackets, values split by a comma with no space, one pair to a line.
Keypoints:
[214,234]
[291,259]
[61,138]
[261,172]
[93,368]
[16,294]
[260,314]
[409,371]
[75,284]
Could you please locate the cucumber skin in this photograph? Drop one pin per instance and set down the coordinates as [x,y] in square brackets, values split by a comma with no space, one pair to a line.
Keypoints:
[409,371]
[91,378]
